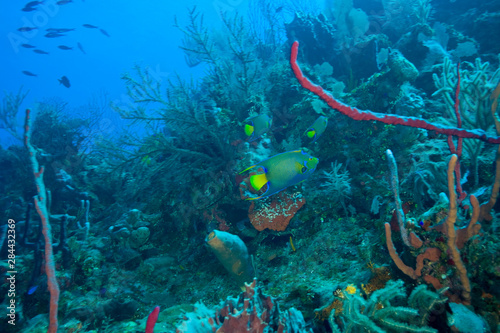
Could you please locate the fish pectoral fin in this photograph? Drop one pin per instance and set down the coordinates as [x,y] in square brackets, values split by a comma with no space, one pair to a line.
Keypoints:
[258,181]
[311,133]
[248,129]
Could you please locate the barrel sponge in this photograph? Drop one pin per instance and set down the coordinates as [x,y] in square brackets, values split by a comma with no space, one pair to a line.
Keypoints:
[233,254]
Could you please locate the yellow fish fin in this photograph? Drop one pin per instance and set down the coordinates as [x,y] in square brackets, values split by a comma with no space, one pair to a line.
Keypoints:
[253,166]
[311,134]
[248,129]
[257,181]
[256,198]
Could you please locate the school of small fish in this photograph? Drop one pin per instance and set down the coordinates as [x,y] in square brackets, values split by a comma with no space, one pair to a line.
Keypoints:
[54,33]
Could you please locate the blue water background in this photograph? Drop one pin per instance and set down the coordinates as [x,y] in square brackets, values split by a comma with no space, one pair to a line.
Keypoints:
[141,32]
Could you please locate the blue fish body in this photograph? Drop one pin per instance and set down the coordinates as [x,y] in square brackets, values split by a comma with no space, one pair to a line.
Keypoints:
[317,128]
[281,171]
[257,126]
[32,290]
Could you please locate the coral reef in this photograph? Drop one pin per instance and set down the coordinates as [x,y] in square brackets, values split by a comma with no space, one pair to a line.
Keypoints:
[148,219]
[251,311]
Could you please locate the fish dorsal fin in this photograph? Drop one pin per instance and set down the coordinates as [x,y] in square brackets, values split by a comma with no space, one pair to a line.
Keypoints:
[253,166]
[248,129]
[257,181]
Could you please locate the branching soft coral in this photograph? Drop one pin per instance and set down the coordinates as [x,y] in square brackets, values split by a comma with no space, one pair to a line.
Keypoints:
[234,68]
[379,313]
[425,178]
[9,109]
[183,108]
[477,83]
[337,184]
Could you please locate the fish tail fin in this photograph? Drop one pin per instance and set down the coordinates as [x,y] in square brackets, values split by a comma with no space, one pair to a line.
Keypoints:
[257,181]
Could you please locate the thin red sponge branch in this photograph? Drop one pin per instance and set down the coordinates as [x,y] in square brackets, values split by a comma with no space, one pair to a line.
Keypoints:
[357,114]
[41,208]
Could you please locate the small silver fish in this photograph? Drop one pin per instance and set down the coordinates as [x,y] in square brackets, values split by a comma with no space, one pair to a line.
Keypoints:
[26,29]
[28,73]
[81,48]
[53,35]
[64,47]
[33,3]
[59,30]
[40,51]
[104,32]
[31,6]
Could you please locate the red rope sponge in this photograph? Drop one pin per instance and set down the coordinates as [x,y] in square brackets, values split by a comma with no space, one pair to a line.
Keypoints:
[357,114]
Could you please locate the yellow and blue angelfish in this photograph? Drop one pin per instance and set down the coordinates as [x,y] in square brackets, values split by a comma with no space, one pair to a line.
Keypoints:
[256,126]
[317,128]
[281,171]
